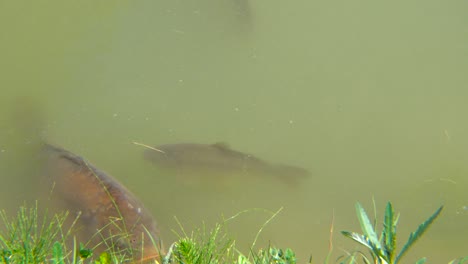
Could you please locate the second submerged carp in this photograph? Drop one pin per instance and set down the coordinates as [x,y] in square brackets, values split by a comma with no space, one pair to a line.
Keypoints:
[217,157]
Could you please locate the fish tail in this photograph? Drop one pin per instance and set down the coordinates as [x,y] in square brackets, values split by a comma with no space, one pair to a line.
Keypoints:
[290,175]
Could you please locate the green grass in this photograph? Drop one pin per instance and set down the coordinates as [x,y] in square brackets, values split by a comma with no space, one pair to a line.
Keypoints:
[200,247]
[28,238]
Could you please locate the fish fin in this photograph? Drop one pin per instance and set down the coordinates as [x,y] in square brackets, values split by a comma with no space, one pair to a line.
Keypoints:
[221,145]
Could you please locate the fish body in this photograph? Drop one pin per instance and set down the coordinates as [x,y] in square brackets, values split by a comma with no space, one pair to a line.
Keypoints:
[111,216]
[218,157]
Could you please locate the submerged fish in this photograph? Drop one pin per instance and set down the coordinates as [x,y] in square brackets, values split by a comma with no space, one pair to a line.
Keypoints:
[217,157]
[111,216]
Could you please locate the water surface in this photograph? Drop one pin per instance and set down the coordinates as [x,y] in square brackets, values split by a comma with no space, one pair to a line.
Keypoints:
[369,97]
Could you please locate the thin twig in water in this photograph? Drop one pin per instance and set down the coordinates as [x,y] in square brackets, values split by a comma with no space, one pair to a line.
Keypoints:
[146,146]
[442,179]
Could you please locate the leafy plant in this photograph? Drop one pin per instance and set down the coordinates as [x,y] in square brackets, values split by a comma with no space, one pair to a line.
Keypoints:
[201,248]
[270,256]
[383,249]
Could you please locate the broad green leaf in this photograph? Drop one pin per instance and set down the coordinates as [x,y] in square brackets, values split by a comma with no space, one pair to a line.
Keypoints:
[57,253]
[367,227]
[361,239]
[389,233]
[104,258]
[84,253]
[365,241]
[421,261]
[459,260]
[418,233]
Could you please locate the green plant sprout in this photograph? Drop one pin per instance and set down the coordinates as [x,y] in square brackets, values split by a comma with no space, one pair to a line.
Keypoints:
[383,249]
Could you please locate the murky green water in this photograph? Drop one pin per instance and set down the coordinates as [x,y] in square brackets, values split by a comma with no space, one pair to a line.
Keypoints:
[370,97]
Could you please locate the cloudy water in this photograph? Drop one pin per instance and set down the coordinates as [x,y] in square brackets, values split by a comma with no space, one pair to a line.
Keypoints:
[369,97]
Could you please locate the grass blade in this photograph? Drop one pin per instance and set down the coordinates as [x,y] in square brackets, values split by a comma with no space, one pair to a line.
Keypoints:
[418,233]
